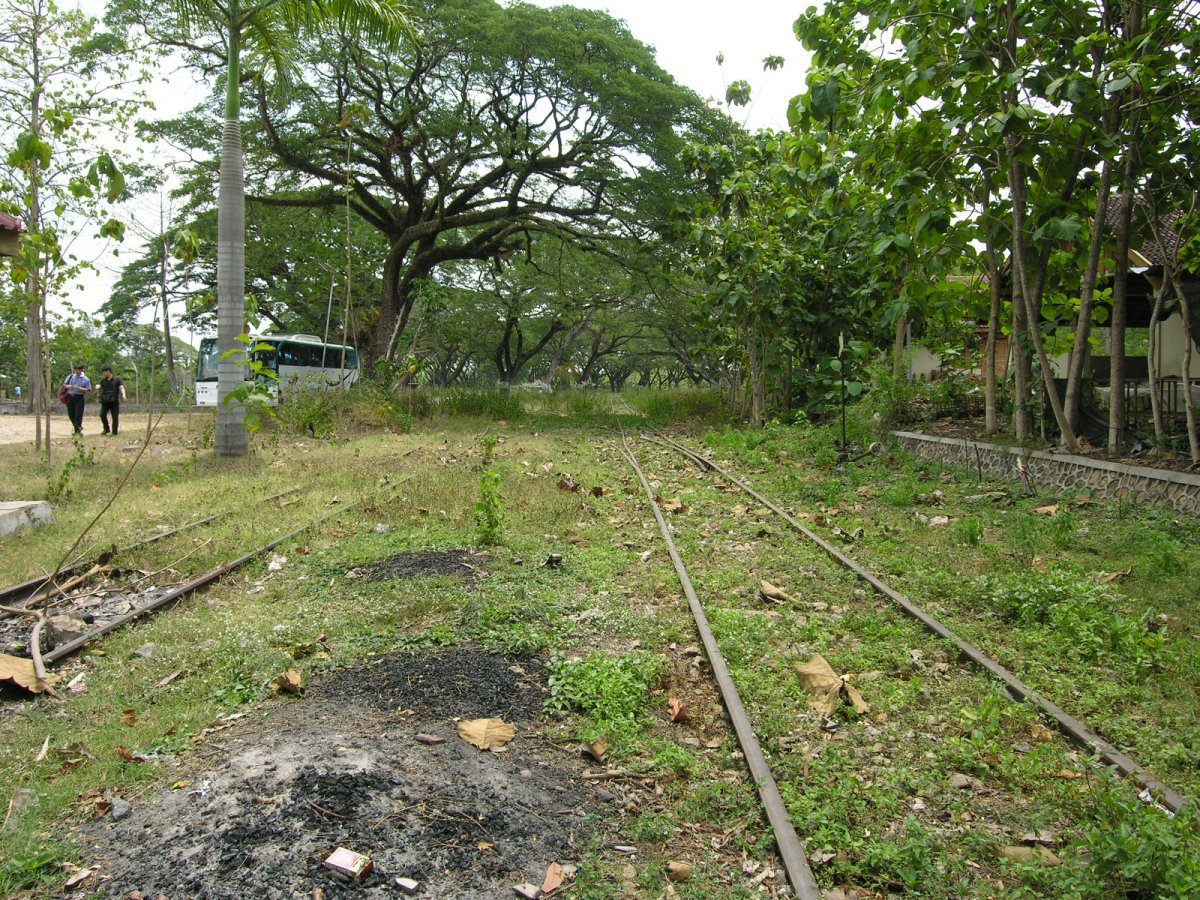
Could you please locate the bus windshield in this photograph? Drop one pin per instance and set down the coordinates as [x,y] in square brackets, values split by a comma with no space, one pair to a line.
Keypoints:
[209,358]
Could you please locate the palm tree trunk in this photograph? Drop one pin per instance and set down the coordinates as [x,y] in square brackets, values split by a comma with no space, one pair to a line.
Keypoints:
[231,437]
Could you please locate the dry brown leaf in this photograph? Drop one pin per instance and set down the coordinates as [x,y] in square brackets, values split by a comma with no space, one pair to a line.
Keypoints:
[1050,509]
[1030,855]
[129,756]
[598,749]
[741,509]
[860,705]
[821,683]
[771,592]
[1068,773]
[81,877]
[1041,733]
[679,871]
[1110,577]
[21,672]
[486,734]
[129,717]
[674,505]
[679,711]
[290,682]
[567,483]
[554,878]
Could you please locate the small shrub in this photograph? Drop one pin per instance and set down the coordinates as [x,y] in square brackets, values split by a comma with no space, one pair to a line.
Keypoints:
[613,691]
[488,442]
[484,404]
[304,412]
[967,531]
[489,509]
[1128,850]
[58,484]
[1080,612]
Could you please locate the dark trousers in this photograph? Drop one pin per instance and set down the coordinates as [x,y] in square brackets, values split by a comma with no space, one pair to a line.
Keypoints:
[75,410]
[110,406]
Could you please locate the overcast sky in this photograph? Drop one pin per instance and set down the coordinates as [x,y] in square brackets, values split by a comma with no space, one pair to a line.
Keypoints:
[687,36]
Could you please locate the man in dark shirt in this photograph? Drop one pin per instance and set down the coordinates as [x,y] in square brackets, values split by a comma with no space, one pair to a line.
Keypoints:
[77,385]
[112,392]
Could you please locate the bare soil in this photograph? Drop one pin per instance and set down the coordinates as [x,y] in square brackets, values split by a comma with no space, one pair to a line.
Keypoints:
[269,797]
[20,429]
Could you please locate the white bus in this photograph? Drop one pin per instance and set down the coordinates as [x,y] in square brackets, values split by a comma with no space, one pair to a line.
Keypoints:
[299,361]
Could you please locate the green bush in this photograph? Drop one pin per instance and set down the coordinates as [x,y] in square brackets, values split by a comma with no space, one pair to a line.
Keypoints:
[1081,613]
[308,412]
[613,691]
[484,404]
[683,404]
[489,509]
[1128,850]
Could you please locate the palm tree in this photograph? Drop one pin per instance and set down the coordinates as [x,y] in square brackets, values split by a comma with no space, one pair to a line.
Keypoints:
[270,29]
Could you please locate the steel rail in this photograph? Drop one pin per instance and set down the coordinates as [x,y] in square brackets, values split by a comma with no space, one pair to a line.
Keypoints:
[26,591]
[791,850]
[1075,730]
[201,582]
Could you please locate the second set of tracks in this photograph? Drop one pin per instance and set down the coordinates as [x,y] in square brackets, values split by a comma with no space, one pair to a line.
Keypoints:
[789,843]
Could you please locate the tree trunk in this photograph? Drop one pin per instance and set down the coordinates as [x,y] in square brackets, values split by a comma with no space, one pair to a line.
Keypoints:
[1022,371]
[991,420]
[231,438]
[1030,295]
[1087,302]
[898,347]
[1116,379]
[1152,362]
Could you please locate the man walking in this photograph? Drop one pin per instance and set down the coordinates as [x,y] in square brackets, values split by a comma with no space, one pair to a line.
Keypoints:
[77,385]
[112,392]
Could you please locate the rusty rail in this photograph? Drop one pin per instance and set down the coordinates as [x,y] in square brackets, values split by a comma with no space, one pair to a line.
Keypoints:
[19,595]
[1075,730]
[791,849]
[201,582]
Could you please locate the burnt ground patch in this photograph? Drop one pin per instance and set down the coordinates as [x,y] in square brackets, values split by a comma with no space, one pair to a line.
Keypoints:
[257,815]
[466,682]
[415,563]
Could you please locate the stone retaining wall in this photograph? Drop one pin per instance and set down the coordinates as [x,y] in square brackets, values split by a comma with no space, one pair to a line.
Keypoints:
[1179,490]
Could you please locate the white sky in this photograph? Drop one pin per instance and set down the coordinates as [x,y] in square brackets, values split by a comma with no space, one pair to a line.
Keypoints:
[686,34]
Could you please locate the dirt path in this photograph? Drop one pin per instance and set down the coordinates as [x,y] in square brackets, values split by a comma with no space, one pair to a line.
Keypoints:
[19,429]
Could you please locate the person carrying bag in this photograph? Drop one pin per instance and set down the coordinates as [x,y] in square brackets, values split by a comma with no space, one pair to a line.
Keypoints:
[76,386]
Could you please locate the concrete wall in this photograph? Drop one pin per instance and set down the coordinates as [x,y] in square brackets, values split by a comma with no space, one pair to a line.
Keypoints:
[1178,490]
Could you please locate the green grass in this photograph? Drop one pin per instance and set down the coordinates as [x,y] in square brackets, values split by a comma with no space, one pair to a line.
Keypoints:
[870,795]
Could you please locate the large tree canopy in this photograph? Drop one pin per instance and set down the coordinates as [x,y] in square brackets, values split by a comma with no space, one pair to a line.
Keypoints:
[495,124]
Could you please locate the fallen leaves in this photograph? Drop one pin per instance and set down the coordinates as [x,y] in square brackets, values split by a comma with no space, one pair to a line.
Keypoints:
[598,749]
[679,711]
[290,682]
[824,686]
[486,734]
[554,878]
[770,592]
[679,871]
[22,673]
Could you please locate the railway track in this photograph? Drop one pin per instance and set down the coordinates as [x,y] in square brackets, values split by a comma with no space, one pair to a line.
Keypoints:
[789,843]
[153,597]
[43,587]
